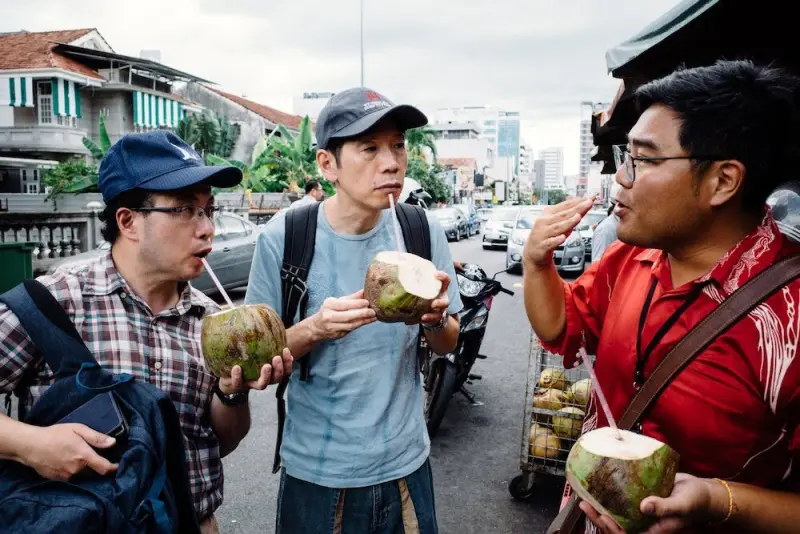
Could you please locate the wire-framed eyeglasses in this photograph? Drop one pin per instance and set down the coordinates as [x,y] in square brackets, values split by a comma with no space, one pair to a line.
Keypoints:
[622,157]
[186,213]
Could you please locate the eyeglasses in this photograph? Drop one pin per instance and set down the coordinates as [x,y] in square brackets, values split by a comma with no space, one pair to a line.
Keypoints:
[623,157]
[186,213]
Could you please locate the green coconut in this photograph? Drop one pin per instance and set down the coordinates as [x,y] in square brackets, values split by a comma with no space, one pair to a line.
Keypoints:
[549,399]
[544,443]
[578,393]
[615,476]
[401,287]
[248,336]
[566,426]
[554,378]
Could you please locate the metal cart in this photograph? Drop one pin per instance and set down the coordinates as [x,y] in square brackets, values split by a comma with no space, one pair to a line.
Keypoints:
[551,457]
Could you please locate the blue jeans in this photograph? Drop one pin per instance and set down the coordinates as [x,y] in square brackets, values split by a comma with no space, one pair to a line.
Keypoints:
[404,506]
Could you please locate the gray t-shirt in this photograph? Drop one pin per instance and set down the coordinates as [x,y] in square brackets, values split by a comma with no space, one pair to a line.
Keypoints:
[358,420]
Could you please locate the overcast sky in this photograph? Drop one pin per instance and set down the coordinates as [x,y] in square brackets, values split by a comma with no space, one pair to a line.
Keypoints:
[539,57]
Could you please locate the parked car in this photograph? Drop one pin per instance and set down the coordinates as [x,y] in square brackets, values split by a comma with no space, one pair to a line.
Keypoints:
[473,221]
[498,227]
[586,229]
[231,254]
[569,257]
[453,222]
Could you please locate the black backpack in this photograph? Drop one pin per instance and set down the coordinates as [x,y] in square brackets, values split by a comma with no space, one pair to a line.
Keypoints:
[298,252]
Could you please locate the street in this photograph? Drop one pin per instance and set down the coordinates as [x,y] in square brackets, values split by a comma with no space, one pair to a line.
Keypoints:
[474,456]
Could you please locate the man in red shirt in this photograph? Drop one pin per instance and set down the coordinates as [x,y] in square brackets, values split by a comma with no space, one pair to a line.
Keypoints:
[710,146]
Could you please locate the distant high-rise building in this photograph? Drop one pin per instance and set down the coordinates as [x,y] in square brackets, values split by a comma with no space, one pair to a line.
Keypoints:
[310,104]
[539,172]
[554,167]
[500,128]
[587,141]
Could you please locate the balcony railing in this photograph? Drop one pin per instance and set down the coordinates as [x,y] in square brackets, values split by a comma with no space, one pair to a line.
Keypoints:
[44,138]
[57,235]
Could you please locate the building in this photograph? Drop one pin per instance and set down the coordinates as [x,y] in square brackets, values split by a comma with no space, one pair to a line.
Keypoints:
[55,86]
[255,120]
[588,109]
[571,185]
[460,174]
[525,159]
[459,140]
[554,167]
[539,174]
[310,104]
[500,128]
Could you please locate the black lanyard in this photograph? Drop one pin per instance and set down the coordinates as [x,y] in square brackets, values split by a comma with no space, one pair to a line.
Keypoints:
[641,359]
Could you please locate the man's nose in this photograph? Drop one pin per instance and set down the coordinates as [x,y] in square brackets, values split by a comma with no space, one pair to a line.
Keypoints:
[205,228]
[389,161]
[621,177]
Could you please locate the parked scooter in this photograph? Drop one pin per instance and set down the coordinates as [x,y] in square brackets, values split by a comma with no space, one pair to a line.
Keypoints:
[443,376]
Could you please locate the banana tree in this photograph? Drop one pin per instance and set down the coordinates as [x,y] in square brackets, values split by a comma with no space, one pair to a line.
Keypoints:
[293,159]
[98,151]
[256,176]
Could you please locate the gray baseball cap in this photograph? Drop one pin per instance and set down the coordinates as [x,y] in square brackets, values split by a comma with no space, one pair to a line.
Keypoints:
[354,111]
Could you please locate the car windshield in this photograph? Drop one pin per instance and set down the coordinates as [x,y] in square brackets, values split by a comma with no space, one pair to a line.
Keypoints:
[525,222]
[504,215]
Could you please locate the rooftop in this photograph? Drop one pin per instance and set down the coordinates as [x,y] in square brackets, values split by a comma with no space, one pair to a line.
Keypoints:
[271,114]
[34,50]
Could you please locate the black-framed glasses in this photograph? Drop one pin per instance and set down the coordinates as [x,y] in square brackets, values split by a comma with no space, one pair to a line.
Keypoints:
[623,157]
[187,213]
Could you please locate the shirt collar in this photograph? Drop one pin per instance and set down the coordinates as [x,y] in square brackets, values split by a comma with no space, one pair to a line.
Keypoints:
[103,279]
[755,252]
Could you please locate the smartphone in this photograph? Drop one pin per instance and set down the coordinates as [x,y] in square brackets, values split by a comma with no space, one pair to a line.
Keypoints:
[102,414]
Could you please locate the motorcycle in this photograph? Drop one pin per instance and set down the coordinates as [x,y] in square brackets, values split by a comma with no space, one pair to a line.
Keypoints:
[443,376]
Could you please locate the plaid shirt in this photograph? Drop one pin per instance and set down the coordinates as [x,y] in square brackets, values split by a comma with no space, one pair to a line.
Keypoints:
[125,337]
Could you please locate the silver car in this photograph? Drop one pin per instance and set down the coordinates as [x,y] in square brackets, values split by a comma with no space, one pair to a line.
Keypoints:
[586,228]
[569,257]
[498,227]
[231,254]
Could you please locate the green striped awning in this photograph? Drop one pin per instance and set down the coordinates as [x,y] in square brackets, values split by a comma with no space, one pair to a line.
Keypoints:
[154,111]
[16,91]
[66,98]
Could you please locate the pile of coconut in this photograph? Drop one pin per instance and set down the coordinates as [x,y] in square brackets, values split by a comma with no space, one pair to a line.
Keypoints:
[559,411]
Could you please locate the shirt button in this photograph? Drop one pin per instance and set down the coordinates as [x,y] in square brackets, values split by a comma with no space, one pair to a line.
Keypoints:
[158,365]
[123,295]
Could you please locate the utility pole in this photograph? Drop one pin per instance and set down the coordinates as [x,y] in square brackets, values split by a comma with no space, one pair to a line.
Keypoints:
[362,42]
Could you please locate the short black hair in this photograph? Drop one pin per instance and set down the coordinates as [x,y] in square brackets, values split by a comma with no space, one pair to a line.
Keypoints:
[311,185]
[133,199]
[735,110]
[335,147]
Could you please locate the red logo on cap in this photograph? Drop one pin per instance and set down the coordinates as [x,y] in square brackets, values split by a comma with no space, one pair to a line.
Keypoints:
[372,96]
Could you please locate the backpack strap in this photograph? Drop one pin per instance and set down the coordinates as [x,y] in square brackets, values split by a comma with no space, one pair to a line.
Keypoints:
[50,329]
[416,231]
[298,252]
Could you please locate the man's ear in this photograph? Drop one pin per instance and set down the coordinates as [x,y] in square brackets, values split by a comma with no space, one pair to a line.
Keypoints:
[328,166]
[127,224]
[724,181]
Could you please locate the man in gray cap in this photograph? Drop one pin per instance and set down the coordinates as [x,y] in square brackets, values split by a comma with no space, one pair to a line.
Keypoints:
[355,445]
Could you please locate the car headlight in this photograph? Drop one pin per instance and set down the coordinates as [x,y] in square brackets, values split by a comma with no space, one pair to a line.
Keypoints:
[574,241]
[517,240]
[467,287]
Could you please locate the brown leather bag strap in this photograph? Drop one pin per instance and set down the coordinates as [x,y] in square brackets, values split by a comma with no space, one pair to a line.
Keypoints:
[732,309]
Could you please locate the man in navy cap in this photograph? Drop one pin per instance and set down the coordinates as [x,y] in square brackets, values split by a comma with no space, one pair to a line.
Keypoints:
[355,445]
[138,314]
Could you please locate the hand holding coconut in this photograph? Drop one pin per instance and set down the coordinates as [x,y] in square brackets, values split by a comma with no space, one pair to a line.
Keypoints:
[339,316]
[694,501]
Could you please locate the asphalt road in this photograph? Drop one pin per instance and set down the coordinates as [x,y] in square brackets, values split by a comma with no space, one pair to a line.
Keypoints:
[474,456]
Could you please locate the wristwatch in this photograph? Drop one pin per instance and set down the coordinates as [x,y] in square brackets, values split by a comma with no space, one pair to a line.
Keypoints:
[230,399]
[437,327]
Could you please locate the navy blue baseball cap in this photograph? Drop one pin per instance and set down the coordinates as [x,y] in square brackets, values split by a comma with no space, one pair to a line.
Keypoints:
[158,161]
[354,111]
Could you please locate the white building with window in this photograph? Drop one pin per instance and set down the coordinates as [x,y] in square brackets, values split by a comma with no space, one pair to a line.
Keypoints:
[553,167]
[55,86]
